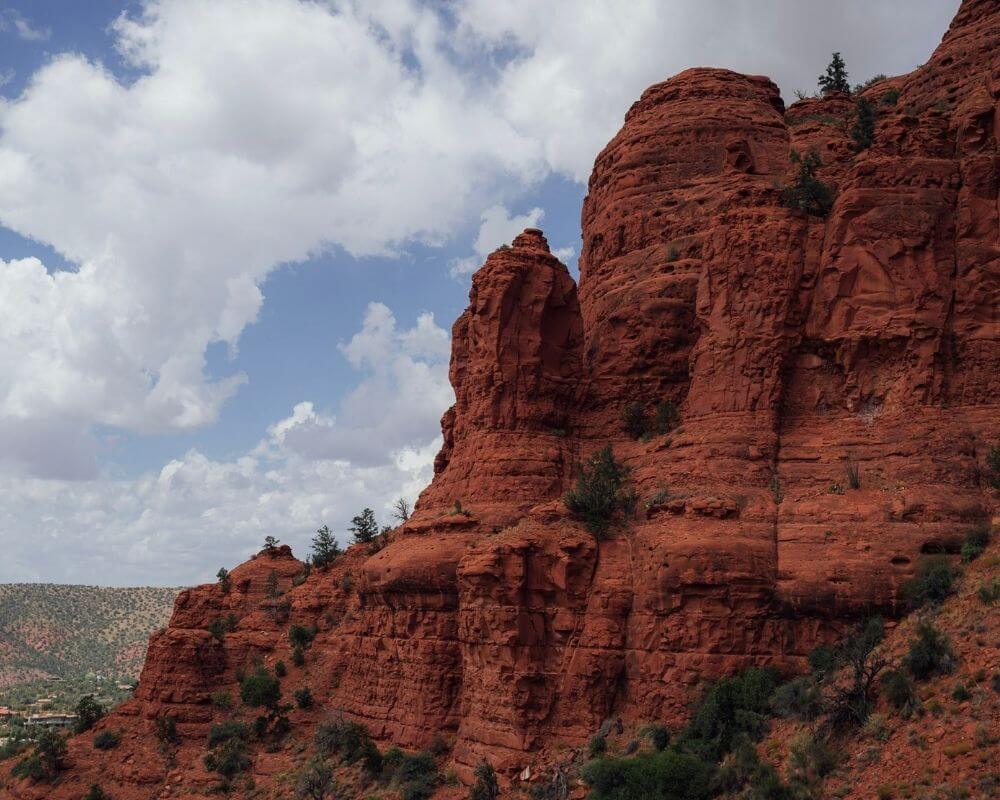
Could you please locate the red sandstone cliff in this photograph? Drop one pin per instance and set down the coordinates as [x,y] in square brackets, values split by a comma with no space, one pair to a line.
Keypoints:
[792,345]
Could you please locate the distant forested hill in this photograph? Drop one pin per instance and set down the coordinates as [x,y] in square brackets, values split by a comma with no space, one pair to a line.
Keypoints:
[50,630]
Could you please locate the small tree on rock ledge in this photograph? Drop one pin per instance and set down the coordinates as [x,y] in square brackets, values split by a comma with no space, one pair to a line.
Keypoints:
[808,193]
[602,491]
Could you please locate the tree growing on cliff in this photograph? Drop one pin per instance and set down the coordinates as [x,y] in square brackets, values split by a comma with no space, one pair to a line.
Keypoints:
[325,548]
[486,786]
[602,491]
[401,510]
[808,193]
[271,545]
[88,712]
[224,581]
[364,527]
[835,77]
[863,130]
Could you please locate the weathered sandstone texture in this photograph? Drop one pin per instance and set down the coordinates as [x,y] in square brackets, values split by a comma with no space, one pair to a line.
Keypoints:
[793,346]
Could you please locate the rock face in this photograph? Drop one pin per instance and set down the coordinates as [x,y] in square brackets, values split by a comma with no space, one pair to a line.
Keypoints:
[797,349]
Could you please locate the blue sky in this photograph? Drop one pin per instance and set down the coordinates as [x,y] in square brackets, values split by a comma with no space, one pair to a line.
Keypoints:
[234,237]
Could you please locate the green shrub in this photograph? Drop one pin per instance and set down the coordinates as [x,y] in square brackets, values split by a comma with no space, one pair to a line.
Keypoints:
[315,780]
[930,652]
[658,735]
[298,656]
[46,760]
[736,705]
[597,746]
[899,690]
[96,793]
[634,420]
[224,731]
[602,490]
[810,759]
[222,700]
[807,193]
[993,467]
[975,542]
[107,740]
[889,97]
[280,670]
[486,786]
[342,737]
[166,730]
[933,582]
[960,694]
[666,775]
[261,689]
[799,698]
[989,591]
[229,759]
[303,697]
[301,636]
[823,660]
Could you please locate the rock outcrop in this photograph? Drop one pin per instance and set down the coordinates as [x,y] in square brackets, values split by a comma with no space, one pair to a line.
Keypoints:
[797,349]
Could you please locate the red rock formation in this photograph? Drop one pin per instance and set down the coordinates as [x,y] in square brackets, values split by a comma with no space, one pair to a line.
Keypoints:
[794,346]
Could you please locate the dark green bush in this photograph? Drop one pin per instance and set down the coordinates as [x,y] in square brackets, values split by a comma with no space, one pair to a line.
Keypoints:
[46,760]
[166,730]
[666,775]
[486,786]
[659,736]
[736,705]
[666,417]
[930,652]
[280,670]
[634,420]
[602,491]
[975,542]
[315,780]
[799,698]
[303,697]
[96,793]
[807,193]
[261,689]
[224,731]
[222,700]
[933,582]
[900,691]
[960,693]
[889,97]
[107,740]
[298,656]
[301,636]
[597,746]
[343,737]
[823,660]
[989,591]
[229,759]
[993,467]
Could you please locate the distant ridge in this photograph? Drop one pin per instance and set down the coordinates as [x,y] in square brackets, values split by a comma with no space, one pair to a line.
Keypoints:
[63,631]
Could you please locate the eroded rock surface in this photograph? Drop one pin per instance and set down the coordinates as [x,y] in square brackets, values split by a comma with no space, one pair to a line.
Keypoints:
[795,347]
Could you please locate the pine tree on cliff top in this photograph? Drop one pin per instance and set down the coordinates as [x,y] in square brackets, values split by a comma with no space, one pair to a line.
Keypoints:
[364,527]
[835,79]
